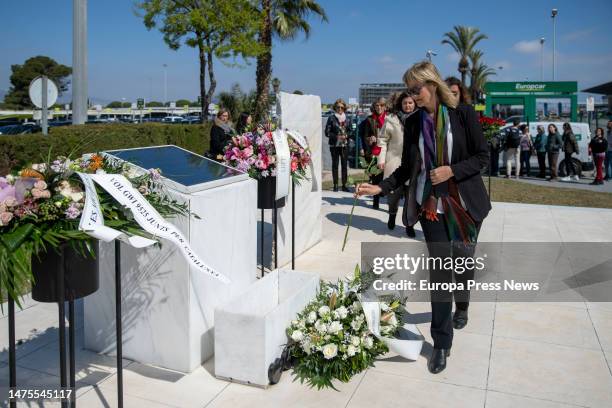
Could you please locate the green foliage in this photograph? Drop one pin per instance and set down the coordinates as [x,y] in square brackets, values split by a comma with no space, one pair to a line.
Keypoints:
[182,102]
[21,149]
[220,29]
[237,101]
[463,40]
[154,104]
[22,75]
[118,104]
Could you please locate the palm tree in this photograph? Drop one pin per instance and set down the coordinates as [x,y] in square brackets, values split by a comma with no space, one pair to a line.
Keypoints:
[475,58]
[285,19]
[480,77]
[463,40]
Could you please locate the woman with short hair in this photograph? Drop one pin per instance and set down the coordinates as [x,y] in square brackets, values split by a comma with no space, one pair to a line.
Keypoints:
[444,152]
[336,131]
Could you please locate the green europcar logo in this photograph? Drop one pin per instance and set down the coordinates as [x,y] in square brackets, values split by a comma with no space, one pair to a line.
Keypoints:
[530,87]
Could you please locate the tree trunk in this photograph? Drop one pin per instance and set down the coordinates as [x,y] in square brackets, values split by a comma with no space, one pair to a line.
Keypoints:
[203,95]
[264,64]
[211,77]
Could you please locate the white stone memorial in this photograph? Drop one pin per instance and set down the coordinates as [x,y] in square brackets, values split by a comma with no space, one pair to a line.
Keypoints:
[168,306]
[302,113]
[250,329]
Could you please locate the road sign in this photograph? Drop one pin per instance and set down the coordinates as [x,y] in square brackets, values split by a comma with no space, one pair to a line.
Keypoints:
[36,90]
[67,107]
[590,104]
[140,103]
[173,105]
[134,106]
[98,108]
[352,101]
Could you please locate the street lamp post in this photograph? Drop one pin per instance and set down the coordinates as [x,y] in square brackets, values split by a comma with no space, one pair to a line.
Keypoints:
[79,62]
[554,15]
[542,59]
[165,83]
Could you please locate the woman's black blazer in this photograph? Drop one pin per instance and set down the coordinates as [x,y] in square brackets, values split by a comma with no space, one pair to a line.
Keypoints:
[470,155]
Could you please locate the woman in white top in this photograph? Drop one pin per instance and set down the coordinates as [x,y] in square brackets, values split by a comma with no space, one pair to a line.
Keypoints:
[391,142]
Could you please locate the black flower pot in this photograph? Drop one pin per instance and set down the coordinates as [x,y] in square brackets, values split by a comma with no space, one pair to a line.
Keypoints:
[266,192]
[81,273]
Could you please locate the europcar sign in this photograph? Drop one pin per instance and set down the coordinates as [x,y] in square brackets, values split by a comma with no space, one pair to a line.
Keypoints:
[561,87]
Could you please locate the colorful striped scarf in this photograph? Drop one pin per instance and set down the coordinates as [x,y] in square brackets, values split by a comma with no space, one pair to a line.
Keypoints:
[459,225]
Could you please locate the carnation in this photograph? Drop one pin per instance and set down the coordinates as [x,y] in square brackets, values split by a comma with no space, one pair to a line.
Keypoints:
[323,310]
[312,317]
[351,350]
[342,312]
[368,342]
[320,326]
[355,324]
[5,218]
[355,341]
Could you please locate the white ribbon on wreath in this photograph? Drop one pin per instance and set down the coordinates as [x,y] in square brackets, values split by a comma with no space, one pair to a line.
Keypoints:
[121,189]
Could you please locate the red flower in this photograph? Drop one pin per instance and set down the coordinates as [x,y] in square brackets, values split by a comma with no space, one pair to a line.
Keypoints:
[376,150]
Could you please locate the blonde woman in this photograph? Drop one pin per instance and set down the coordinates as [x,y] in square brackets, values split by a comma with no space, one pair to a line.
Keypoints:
[391,142]
[444,152]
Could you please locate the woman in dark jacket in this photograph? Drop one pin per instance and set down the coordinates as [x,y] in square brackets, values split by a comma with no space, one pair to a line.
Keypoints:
[220,134]
[445,187]
[372,126]
[553,145]
[598,148]
[337,130]
[245,121]
[570,146]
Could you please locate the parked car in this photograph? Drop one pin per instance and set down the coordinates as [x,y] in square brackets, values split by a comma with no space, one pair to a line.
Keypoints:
[19,129]
[172,119]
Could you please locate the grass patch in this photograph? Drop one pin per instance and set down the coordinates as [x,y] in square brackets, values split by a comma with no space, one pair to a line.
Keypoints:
[511,191]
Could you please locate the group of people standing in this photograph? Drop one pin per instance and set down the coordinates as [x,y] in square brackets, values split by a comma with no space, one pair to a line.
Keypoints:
[518,146]
[222,131]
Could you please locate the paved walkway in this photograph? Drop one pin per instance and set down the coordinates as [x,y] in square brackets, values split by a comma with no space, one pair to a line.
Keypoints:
[510,355]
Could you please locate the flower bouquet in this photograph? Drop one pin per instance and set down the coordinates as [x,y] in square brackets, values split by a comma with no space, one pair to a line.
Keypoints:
[254,153]
[330,339]
[41,206]
[491,126]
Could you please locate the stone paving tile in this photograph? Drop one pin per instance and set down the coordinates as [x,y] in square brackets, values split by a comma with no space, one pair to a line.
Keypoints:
[286,394]
[164,386]
[501,400]
[104,398]
[91,368]
[550,372]
[467,366]
[602,320]
[546,323]
[380,389]
[33,379]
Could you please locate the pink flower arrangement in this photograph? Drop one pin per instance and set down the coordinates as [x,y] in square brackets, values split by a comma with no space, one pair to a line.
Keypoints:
[254,153]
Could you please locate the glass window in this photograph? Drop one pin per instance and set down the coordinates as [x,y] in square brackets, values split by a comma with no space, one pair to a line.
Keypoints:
[506,110]
[553,109]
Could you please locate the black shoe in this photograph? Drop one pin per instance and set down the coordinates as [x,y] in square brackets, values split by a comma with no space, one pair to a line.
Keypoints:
[345,189]
[335,187]
[391,222]
[437,361]
[460,319]
[376,203]
[410,232]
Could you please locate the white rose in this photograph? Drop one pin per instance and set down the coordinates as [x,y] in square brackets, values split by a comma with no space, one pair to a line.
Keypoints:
[342,312]
[334,327]
[323,310]
[368,342]
[330,351]
[297,335]
[355,341]
[312,317]
[320,326]
[351,350]
[356,324]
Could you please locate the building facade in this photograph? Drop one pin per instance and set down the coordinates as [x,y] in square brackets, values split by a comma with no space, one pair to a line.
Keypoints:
[534,101]
[368,93]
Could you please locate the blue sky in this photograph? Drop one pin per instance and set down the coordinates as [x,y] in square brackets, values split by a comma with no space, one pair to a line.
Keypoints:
[364,41]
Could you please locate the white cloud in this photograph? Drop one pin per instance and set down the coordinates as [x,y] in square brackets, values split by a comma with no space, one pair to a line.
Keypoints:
[578,34]
[453,56]
[527,47]
[386,59]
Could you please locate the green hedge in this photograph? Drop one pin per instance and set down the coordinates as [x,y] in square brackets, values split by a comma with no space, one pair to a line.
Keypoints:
[20,149]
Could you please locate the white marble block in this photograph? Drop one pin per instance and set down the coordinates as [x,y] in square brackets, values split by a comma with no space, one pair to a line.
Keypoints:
[250,328]
[302,113]
[168,307]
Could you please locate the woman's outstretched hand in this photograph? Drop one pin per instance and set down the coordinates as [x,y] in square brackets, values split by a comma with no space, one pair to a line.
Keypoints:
[367,189]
